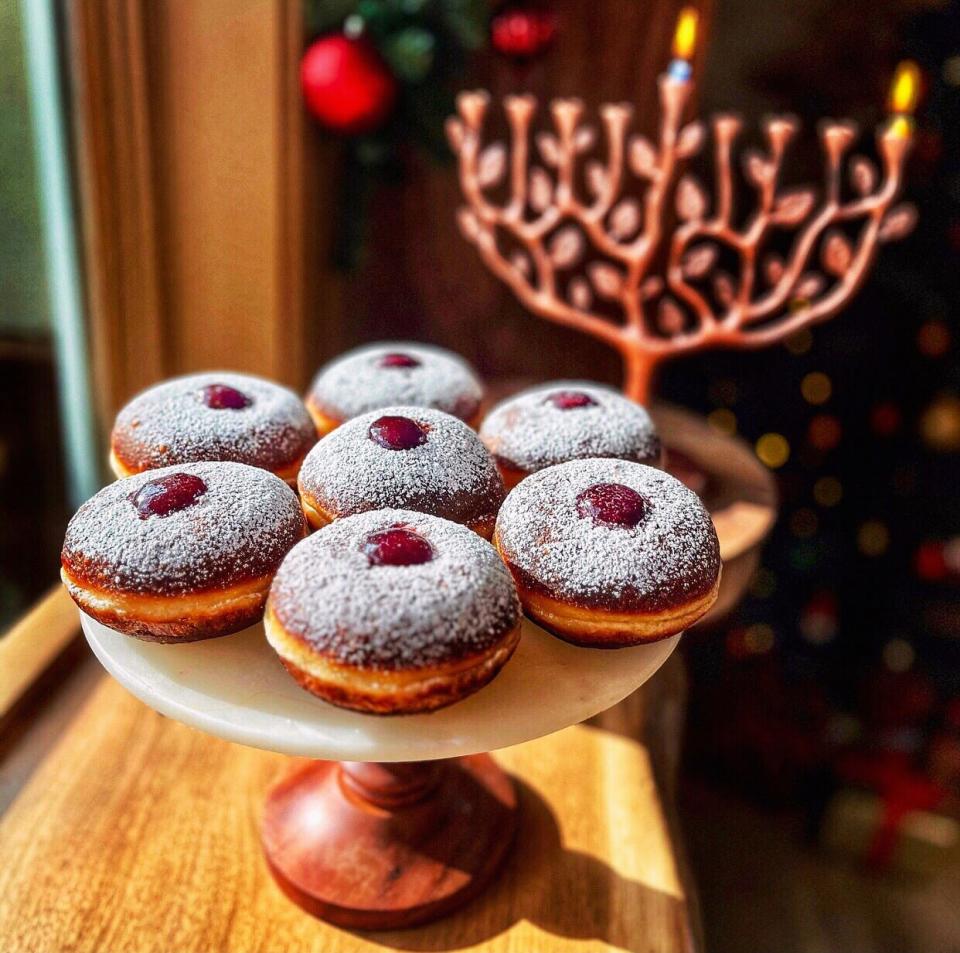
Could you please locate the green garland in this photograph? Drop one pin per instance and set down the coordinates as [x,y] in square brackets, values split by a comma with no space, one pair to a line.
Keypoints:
[425,43]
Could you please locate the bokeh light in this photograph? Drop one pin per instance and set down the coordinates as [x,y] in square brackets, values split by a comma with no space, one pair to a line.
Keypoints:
[723,420]
[755,639]
[940,423]
[759,638]
[818,621]
[828,491]
[873,538]
[816,388]
[951,70]
[898,655]
[951,554]
[933,339]
[824,432]
[773,450]
[930,562]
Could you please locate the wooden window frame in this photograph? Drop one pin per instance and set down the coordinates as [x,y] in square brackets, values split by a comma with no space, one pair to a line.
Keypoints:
[201,192]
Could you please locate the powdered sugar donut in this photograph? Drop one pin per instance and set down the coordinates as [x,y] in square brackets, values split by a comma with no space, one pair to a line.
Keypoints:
[391,373]
[609,553]
[181,553]
[393,612]
[567,420]
[216,415]
[405,457]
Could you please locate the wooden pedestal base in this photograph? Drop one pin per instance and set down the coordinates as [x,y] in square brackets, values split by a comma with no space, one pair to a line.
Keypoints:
[381,846]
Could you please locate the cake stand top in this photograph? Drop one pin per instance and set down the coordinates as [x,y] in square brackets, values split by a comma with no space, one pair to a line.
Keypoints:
[236,689]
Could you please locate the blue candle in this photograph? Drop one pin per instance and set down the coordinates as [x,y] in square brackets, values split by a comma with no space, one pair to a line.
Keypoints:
[679,70]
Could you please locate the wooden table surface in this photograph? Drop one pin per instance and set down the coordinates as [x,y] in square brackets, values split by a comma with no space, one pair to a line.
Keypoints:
[138,834]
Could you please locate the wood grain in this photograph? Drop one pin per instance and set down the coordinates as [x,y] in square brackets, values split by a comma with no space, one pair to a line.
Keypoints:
[400,844]
[118,203]
[138,834]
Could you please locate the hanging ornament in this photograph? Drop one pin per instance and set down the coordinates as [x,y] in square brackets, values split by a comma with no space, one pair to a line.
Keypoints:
[346,85]
[523,32]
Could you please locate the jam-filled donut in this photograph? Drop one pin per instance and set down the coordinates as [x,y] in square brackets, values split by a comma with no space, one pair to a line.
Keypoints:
[393,612]
[567,420]
[609,553]
[409,458]
[392,373]
[181,553]
[213,416]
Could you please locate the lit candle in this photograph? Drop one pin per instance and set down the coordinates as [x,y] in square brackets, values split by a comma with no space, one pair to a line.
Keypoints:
[904,91]
[684,40]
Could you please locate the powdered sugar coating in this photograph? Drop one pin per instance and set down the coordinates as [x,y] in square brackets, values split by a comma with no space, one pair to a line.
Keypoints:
[355,383]
[450,474]
[240,528]
[671,557]
[170,423]
[528,432]
[459,604]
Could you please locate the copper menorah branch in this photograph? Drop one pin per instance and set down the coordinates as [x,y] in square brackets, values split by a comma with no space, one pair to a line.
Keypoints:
[721,285]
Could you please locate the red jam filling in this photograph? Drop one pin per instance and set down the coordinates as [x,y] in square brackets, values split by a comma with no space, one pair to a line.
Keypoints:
[570,399]
[397,433]
[613,504]
[397,547]
[168,494]
[398,360]
[222,397]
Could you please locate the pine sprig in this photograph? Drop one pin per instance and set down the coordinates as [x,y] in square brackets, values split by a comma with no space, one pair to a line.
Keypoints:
[425,44]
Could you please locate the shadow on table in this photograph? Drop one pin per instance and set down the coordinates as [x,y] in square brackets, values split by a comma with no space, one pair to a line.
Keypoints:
[562,892]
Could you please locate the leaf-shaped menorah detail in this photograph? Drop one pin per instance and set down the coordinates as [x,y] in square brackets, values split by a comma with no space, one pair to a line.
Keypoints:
[572,230]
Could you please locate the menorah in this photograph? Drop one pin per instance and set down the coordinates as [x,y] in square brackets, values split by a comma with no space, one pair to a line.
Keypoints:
[670,270]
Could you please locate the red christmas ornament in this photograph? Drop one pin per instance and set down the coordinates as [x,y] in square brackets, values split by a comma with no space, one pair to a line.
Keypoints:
[523,33]
[346,85]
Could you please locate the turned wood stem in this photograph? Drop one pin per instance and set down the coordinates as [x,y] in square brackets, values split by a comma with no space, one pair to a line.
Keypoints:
[389,785]
[376,846]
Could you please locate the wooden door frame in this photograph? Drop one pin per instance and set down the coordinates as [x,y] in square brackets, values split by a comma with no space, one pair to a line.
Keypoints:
[177,277]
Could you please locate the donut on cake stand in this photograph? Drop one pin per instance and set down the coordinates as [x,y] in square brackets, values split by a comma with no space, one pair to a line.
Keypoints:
[394,821]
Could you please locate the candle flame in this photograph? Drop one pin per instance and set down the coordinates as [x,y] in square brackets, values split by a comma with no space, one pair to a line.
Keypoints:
[685,36]
[901,127]
[905,87]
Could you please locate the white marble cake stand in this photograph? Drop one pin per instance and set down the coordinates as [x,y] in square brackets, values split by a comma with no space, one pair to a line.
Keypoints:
[403,819]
